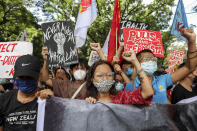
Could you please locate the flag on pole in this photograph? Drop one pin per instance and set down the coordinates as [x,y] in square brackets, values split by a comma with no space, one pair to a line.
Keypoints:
[180,21]
[115,29]
[106,44]
[86,16]
[24,36]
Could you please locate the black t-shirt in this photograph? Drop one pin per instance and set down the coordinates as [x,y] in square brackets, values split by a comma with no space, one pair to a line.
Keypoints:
[15,116]
[179,93]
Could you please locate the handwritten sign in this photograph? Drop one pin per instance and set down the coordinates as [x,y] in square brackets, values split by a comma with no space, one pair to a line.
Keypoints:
[176,58]
[93,58]
[9,52]
[139,39]
[131,24]
[59,38]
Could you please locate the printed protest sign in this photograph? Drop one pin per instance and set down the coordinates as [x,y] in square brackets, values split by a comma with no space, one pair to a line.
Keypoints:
[59,38]
[176,58]
[9,52]
[131,24]
[93,58]
[139,39]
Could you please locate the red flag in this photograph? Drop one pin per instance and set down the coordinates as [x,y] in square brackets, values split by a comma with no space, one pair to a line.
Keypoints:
[114,35]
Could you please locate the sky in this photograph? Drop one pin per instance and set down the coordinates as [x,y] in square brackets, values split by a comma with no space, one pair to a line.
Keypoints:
[188,4]
[191,18]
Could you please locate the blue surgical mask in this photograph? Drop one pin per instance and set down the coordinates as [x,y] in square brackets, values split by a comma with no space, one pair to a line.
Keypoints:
[129,71]
[119,86]
[149,67]
[25,85]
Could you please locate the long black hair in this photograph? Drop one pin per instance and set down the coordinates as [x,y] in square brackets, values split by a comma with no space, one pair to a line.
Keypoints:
[91,89]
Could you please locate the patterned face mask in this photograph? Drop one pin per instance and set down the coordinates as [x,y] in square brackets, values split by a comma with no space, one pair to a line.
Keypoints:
[104,85]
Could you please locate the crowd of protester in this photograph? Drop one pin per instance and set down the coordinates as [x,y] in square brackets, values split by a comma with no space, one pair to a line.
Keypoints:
[134,80]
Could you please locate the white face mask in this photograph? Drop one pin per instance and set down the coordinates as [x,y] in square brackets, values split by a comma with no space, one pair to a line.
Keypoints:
[149,67]
[79,74]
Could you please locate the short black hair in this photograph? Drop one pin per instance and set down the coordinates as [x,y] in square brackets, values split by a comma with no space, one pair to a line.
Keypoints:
[138,55]
[62,68]
[82,62]
[124,62]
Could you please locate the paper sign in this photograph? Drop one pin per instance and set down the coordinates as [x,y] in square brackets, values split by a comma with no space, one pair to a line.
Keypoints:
[93,58]
[9,52]
[131,24]
[176,57]
[139,39]
[59,38]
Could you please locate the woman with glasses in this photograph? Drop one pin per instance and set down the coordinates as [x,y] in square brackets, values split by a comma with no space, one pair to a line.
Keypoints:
[101,84]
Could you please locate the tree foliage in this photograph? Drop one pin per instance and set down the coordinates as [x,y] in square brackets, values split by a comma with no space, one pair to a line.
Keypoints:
[14,18]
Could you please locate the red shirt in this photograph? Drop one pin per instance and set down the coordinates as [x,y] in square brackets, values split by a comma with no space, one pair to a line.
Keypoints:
[130,97]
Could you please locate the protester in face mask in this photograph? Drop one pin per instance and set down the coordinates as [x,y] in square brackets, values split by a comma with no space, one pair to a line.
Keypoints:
[186,88]
[160,83]
[101,84]
[18,108]
[67,88]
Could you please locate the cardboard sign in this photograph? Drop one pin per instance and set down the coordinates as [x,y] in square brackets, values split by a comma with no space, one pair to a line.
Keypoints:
[9,52]
[93,58]
[59,38]
[131,24]
[138,40]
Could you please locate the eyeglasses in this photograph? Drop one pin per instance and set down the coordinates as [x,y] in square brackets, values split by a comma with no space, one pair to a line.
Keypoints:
[108,75]
[145,59]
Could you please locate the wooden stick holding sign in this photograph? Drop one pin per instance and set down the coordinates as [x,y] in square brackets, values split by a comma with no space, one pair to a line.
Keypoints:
[59,39]
[139,39]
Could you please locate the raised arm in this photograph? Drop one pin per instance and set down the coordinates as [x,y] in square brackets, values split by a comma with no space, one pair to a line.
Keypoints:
[147,89]
[118,69]
[44,70]
[97,48]
[191,57]
[1,128]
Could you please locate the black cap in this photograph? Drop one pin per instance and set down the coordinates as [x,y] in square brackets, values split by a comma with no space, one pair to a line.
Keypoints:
[27,65]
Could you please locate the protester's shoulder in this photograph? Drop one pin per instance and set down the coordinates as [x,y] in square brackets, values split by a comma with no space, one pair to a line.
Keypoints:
[8,96]
[9,93]
[56,81]
[165,76]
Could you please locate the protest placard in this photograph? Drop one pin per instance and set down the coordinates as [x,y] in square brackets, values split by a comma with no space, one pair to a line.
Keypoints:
[176,58]
[9,52]
[131,24]
[59,38]
[93,58]
[139,39]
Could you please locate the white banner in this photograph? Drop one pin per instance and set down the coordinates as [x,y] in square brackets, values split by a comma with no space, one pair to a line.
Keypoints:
[9,52]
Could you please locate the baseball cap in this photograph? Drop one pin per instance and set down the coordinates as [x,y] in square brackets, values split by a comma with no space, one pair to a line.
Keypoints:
[27,65]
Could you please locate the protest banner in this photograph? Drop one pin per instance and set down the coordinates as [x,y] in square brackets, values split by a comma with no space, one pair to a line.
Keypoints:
[93,58]
[139,39]
[78,115]
[131,24]
[59,38]
[9,52]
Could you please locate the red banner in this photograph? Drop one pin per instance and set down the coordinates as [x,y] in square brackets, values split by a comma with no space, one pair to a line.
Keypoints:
[139,39]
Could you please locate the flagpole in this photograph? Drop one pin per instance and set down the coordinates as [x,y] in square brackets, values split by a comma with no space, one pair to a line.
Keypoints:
[116,41]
